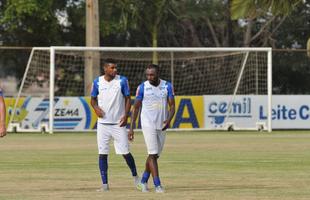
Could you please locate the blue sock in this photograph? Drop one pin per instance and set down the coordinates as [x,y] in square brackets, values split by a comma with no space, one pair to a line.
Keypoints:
[145,177]
[131,164]
[156,181]
[103,166]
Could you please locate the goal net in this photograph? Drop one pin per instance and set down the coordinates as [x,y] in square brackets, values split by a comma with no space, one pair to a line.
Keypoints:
[63,72]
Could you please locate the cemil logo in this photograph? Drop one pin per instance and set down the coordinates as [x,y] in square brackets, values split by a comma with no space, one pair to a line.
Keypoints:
[219,111]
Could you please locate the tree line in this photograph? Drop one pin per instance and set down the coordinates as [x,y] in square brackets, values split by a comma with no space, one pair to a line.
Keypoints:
[173,23]
[281,24]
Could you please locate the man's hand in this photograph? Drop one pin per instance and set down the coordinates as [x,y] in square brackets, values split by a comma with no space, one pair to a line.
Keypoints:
[2,130]
[99,112]
[130,135]
[123,121]
[165,125]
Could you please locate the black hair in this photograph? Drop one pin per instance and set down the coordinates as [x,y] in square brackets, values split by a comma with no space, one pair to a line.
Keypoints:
[153,66]
[109,61]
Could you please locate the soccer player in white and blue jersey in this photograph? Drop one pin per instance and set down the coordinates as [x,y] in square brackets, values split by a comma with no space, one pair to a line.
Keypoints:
[2,115]
[110,98]
[156,97]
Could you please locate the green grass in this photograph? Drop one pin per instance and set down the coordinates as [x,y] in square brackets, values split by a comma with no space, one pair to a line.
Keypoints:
[197,165]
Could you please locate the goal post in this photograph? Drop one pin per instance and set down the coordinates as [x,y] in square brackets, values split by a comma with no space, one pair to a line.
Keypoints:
[193,71]
[52,89]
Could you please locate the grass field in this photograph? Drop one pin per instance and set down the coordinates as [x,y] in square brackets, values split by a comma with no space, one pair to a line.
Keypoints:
[198,165]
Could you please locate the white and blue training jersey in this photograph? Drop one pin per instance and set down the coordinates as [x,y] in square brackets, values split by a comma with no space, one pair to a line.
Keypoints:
[154,103]
[111,97]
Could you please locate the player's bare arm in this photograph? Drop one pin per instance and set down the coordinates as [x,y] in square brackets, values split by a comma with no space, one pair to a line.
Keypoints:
[134,114]
[171,104]
[2,117]
[94,103]
[124,119]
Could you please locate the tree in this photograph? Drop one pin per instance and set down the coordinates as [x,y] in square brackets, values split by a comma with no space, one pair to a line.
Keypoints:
[136,16]
[31,22]
[208,22]
[74,12]
[291,67]
[152,14]
[258,17]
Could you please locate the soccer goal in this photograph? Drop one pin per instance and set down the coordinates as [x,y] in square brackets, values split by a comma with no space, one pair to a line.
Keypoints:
[235,84]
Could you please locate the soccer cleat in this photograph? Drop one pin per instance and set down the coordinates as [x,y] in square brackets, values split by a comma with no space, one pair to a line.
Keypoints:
[104,188]
[159,189]
[142,187]
[136,180]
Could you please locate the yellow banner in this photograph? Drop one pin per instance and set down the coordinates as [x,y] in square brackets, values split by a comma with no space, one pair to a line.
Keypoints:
[189,112]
